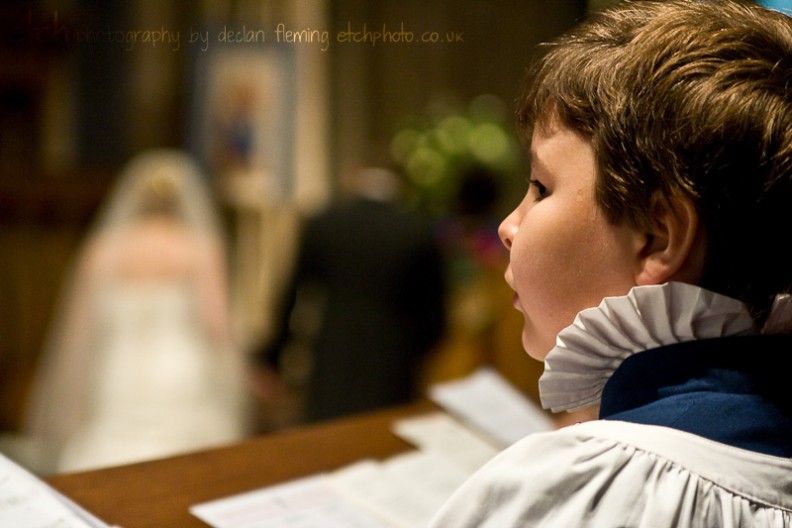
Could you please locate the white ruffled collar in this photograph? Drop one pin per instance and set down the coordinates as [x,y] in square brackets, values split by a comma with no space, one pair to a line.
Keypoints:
[589,350]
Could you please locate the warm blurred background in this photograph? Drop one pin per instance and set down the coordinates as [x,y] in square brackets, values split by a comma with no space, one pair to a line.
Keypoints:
[85,85]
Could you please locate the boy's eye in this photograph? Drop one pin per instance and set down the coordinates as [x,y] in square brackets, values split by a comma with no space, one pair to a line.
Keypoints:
[540,189]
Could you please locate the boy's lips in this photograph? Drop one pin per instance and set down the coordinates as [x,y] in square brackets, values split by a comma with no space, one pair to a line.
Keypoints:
[516,297]
[516,301]
[507,276]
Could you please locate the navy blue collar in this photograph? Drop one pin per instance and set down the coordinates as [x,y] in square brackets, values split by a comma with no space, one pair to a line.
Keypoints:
[732,390]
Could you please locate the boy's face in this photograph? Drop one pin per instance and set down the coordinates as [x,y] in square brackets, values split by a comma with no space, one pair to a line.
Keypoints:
[564,256]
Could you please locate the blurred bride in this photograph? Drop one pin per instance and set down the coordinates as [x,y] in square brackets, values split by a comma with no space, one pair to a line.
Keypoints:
[140,363]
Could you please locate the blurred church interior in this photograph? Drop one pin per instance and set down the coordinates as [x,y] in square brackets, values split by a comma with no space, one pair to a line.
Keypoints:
[87,84]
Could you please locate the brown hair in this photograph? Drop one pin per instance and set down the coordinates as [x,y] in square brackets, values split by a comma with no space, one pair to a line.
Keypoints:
[692,99]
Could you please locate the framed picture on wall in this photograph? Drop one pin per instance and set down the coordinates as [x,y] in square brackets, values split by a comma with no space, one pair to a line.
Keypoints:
[242,118]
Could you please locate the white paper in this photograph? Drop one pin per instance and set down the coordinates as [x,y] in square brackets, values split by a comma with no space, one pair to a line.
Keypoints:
[487,402]
[304,503]
[28,502]
[406,490]
[441,434]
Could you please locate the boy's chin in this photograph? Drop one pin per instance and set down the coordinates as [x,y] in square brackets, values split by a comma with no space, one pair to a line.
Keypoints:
[536,347]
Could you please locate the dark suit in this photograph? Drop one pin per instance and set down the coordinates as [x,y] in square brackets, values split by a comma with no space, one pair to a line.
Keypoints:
[380,274]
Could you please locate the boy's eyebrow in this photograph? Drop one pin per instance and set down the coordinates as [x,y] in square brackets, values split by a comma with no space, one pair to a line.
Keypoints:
[535,162]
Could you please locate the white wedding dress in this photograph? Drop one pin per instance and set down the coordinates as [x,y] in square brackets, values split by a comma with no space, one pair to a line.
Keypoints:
[158,386]
[140,360]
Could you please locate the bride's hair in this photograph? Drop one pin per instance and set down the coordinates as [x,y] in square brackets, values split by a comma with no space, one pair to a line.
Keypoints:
[165,182]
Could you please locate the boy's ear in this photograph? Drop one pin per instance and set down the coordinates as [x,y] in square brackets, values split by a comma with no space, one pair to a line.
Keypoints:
[672,250]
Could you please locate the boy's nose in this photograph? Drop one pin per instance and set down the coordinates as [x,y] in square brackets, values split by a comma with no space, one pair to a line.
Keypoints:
[507,230]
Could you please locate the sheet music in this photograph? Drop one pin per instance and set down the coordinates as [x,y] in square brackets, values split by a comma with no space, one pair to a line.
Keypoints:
[310,502]
[28,502]
[441,434]
[487,402]
[406,490]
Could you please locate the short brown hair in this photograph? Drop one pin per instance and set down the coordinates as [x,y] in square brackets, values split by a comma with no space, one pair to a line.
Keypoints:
[685,98]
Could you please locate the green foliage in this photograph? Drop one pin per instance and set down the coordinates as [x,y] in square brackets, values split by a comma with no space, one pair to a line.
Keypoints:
[435,150]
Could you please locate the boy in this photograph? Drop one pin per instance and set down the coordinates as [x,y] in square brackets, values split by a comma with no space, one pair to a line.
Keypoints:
[647,263]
